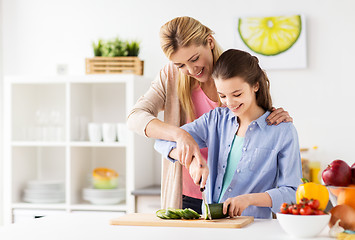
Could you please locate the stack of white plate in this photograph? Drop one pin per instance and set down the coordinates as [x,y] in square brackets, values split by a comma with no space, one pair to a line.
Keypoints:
[44,192]
[104,196]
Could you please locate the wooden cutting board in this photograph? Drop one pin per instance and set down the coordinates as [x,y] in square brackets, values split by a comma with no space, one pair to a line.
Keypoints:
[148,219]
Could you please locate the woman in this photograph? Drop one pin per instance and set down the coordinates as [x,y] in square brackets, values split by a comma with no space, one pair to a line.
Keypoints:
[184,90]
[252,168]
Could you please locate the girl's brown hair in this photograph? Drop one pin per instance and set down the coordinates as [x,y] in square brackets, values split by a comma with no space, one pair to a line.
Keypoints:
[184,32]
[236,63]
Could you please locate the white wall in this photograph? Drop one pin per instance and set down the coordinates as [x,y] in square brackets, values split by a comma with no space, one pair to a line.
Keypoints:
[40,34]
[1,114]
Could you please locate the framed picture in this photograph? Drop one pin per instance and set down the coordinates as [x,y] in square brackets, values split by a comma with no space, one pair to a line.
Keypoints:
[279,42]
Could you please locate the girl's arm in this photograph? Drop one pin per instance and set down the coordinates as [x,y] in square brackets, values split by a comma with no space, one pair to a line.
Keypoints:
[289,175]
[240,203]
[185,144]
[289,169]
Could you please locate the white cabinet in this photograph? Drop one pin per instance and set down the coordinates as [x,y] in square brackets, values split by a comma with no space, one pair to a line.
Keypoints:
[45,138]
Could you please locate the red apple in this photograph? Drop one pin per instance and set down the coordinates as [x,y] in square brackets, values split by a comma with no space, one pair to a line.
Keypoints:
[338,173]
[353,172]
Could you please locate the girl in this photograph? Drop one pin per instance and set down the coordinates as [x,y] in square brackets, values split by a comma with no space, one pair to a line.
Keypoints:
[184,90]
[252,167]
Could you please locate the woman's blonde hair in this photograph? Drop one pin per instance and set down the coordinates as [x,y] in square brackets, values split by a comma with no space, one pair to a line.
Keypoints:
[237,63]
[184,32]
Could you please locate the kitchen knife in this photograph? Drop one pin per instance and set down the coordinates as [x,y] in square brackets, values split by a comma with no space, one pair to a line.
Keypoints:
[207,208]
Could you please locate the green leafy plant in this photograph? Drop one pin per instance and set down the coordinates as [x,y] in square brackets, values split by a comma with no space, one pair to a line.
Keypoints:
[132,48]
[97,48]
[115,48]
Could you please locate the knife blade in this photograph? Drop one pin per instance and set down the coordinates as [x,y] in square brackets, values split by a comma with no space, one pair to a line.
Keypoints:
[207,207]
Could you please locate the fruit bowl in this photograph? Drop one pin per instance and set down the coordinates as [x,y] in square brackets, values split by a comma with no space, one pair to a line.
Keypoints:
[105,178]
[303,225]
[342,195]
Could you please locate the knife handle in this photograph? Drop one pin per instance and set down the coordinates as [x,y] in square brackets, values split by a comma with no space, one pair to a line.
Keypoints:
[202,189]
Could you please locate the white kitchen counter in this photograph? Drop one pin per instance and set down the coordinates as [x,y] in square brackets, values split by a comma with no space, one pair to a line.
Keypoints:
[90,227]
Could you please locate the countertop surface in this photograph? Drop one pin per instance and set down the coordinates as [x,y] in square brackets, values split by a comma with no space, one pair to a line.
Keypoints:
[74,226]
[148,191]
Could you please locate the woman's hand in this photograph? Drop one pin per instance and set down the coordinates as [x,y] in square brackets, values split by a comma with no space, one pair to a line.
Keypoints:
[186,148]
[237,205]
[277,116]
[199,170]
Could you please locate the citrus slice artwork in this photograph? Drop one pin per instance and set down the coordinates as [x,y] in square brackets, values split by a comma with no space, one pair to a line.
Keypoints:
[270,36]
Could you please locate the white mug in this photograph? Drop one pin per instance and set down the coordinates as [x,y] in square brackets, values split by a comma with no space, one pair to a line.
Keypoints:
[121,132]
[109,132]
[95,132]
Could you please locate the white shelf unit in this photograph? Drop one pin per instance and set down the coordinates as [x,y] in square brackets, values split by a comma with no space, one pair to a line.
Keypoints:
[61,150]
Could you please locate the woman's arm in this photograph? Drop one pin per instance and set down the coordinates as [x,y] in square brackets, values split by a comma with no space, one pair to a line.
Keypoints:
[198,130]
[148,106]
[143,117]
[278,116]
[198,168]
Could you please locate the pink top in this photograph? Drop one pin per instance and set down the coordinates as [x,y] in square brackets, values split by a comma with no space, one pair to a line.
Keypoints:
[202,104]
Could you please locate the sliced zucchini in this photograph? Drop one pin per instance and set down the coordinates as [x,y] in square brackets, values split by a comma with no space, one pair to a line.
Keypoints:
[180,212]
[172,213]
[196,215]
[161,214]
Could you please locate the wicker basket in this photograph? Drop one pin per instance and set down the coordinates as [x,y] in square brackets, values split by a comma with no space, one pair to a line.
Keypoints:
[109,65]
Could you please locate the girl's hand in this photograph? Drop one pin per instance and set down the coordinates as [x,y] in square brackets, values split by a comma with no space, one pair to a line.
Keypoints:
[277,116]
[186,148]
[199,171]
[237,205]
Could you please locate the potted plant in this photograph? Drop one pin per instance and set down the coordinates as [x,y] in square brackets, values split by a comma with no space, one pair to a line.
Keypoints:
[115,56]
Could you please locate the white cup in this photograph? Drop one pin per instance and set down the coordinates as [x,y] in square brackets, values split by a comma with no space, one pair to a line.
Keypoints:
[109,132]
[95,132]
[121,132]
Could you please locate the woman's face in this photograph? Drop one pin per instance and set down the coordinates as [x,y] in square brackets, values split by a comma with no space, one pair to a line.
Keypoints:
[237,95]
[195,61]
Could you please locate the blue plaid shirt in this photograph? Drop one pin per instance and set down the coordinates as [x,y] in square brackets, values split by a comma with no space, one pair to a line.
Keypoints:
[270,161]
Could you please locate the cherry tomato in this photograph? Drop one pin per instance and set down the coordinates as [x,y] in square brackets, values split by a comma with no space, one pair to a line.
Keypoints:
[306,210]
[303,201]
[318,212]
[284,208]
[290,207]
[295,209]
[314,203]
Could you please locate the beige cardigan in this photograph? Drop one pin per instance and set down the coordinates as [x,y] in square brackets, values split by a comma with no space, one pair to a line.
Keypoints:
[162,96]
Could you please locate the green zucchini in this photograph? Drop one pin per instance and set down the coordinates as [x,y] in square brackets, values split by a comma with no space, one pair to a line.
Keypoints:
[216,210]
[172,213]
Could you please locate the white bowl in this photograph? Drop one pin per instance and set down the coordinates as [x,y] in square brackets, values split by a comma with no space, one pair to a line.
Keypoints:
[104,196]
[45,185]
[104,201]
[303,225]
[102,193]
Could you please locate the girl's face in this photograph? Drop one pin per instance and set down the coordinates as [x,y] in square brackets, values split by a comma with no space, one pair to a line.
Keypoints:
[195,61]
[237,95]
